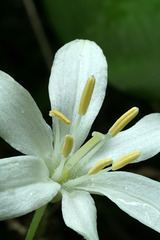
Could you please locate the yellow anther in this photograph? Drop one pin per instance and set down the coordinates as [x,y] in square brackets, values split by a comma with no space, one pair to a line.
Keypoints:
[100,165]
[126,159]
[86,96]
[67,146]
[123,121]
[82,152]
[60,116]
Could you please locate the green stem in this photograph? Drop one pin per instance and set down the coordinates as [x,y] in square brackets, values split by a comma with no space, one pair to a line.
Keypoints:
[35,222]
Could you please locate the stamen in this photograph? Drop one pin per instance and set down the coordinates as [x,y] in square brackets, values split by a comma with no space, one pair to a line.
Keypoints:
[100,165]
[81,152]
[123,121]
[126,159]
[89,152]
[67,146]
[86,96]
[60,116]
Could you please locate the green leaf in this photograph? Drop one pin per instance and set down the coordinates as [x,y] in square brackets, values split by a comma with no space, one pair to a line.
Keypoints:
[127,31]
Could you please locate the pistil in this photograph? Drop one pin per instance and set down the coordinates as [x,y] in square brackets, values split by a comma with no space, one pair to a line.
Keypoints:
[82,152]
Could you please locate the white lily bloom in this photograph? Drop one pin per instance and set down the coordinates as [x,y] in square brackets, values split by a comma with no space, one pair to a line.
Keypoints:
[65,170]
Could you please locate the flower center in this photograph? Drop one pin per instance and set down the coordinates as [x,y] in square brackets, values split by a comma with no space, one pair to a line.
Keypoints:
[69,165]
[69,139]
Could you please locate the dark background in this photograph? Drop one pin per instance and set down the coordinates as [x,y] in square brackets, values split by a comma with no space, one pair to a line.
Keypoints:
[28,60]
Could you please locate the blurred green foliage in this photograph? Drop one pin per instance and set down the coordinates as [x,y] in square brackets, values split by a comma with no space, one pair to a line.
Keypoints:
[127,31]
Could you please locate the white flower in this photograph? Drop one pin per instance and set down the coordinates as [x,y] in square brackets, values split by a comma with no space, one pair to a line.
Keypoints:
[48,172]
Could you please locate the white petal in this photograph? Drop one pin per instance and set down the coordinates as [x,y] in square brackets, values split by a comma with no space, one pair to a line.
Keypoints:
[22,170]
[143,136]
[19,201]
[136,195]
[79,213]
[21,122]
[74,63]
[24,186]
